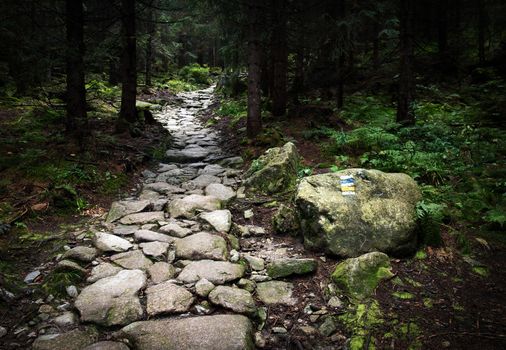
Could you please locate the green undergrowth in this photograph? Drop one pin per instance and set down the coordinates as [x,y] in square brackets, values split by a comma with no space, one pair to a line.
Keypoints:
[454,152]
[188,78]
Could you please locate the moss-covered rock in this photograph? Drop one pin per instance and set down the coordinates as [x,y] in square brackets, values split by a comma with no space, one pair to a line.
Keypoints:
[359,277]
[380,216]
[285,220]
[287,267]
[275,171]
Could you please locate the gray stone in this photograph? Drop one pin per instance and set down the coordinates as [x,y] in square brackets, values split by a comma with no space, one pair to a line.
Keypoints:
[81,253]
[379,216]
[102,271]
[234,162]
[72,291]
[217,272]
[66,319]
[175,230]
[275,171]
[255,263]
[328,326]
[212,169]
[123,208]
[287,267]
[3,332]
[201,181]
[167,297]
[235,299]
[161,272]
[188,206]
[113,300]
[149,195]
[132,260]
[151,236]
[111,243]
[69,266]
[276,292]
[220,220]
[190,154]
[248,214]
[202,245]
[156,249]
[359,277]
[143,218]
[222,192]
[203,287]
[163,188]
[125,230]
[247,284]
[107,345]
[217,332]
[29,278]
[72,340]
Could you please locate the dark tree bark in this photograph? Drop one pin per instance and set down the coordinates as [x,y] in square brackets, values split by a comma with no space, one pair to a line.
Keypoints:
[254,121]
[405,114]
[76,121]
[341,13]
[442,30]
[279,52]
[482,23]
[298,80]
[164,37]
[149,46]
[128,112]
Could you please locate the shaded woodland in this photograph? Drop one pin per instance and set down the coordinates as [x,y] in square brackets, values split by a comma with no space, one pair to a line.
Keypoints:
[416,87]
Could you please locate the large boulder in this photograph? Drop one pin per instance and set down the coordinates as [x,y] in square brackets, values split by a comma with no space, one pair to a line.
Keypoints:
[378,214]
[275,171]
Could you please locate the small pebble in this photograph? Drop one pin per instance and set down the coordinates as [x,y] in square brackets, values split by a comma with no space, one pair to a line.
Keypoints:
[72,291]
[279,330]
[3,331]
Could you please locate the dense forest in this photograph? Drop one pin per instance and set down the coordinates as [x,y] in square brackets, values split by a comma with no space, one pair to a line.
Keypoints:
[346,159]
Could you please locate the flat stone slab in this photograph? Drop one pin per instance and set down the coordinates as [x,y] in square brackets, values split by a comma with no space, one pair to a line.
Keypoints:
[212,169]
[143,218]
[151,236]
[276,292]
[187,155]
[161,272]
[201,181]
[74,339]
[102,271]
[202,245]
[107,345]
[217,332]
[217,272]
[122,208]
[220,220]
[81,253]
[125,230]
[163,188]
[235,299]
[155,249]
[167,297]
[132,260]
[110,243]
[222,192]
[188,206]
[113,300]
[287,267]
[175,230]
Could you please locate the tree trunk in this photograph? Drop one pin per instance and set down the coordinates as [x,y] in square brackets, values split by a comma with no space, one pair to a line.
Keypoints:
[481,30]
[128,112]
[341,8]
[405,114]
[254,121]
[298,81]
[164,38]
[76,121]
[279,53]
[149,46]
[442,30]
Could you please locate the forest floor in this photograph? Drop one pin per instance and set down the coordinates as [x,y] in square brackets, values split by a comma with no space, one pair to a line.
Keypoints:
[440,298]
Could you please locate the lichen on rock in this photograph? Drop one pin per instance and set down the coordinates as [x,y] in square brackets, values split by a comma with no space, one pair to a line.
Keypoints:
[275,171]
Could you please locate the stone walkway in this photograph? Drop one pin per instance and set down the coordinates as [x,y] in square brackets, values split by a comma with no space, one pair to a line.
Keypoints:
[165,272]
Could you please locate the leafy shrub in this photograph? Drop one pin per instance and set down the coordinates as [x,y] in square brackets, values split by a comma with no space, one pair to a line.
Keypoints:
[195,74]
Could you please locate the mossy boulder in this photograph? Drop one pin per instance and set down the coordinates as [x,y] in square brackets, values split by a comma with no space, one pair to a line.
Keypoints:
[287,267]
[285,220]
[359,277]
[275,171]
[379,216]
